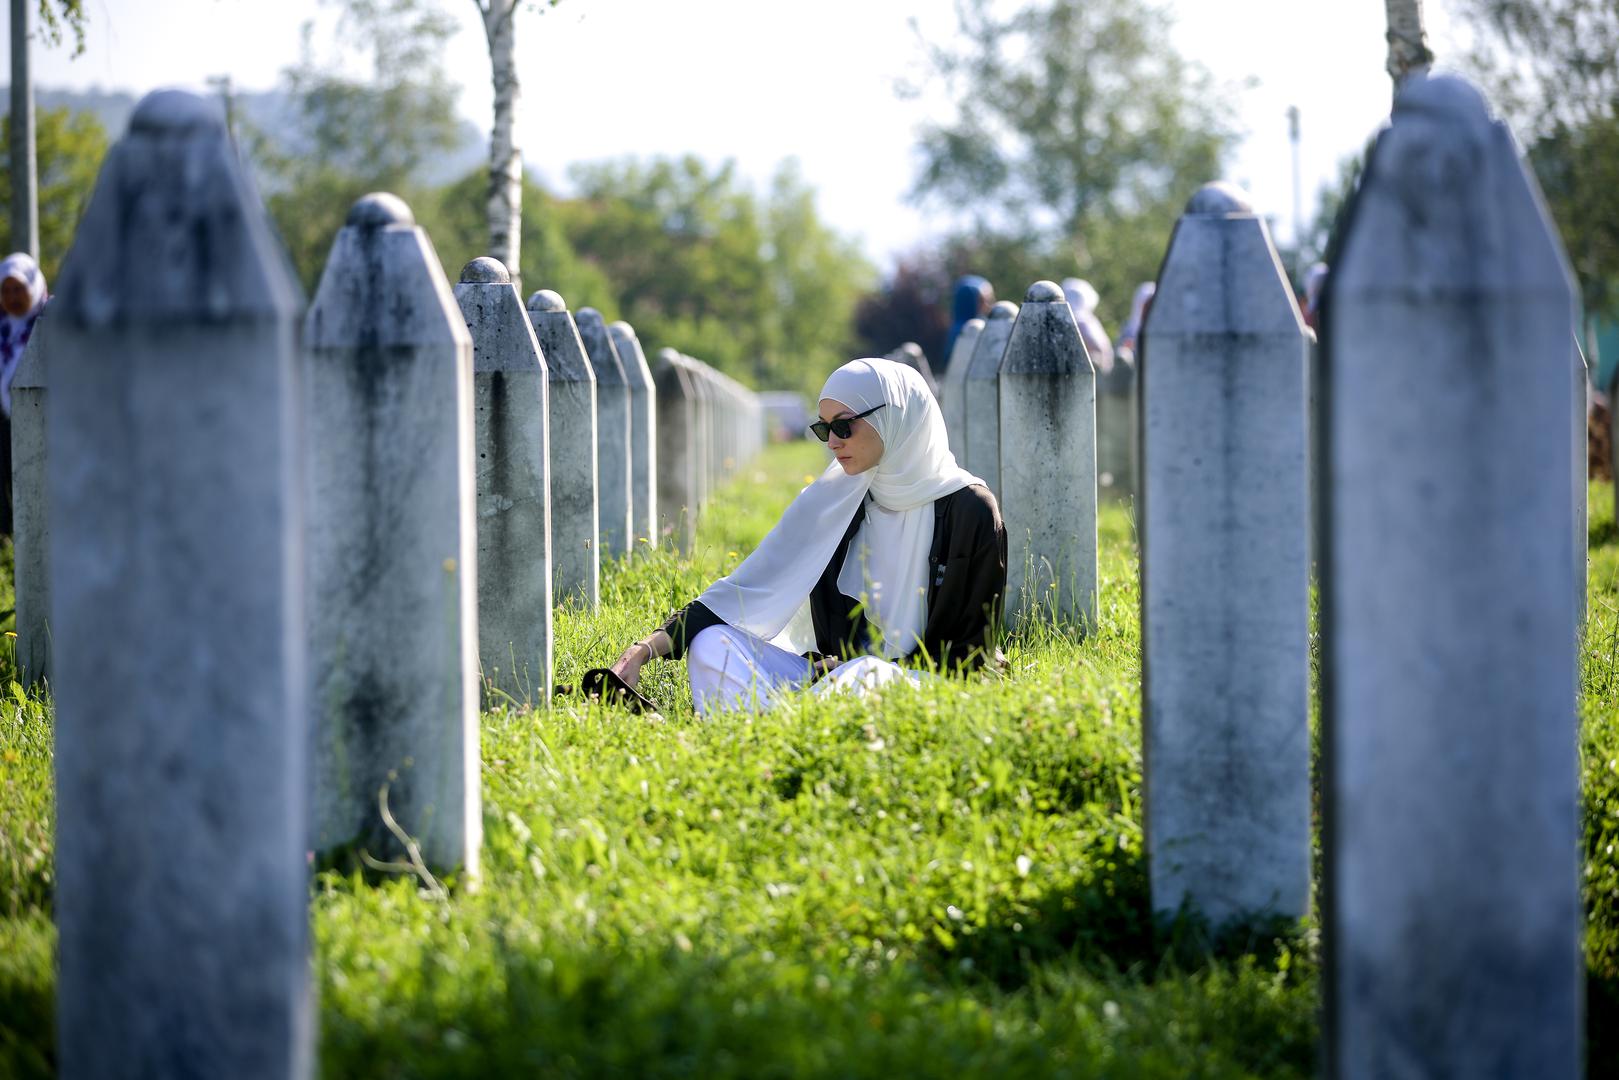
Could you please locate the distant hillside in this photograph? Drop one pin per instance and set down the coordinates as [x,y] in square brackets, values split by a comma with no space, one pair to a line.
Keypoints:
[269,111]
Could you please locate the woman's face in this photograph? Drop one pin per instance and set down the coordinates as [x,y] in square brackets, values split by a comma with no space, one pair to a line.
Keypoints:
[14,297]
[862,450]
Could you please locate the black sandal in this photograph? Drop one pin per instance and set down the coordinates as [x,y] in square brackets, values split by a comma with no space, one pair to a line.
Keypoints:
[603,684]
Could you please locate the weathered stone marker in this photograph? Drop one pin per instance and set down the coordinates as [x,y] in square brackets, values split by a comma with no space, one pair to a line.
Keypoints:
[911,355]
[613,504]
[1115,429]
[952,390]
[512,468]
[643,436]
[393,545]
[1048,462]
[30,508]
[575,538]
[176,556]
[677,451]
[1450,732]
[1225,574]
[707,471]
[981,397]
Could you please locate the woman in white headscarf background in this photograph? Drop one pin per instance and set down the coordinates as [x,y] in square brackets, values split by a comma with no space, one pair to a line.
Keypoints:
[894,553]
[22,298]
[1082,300]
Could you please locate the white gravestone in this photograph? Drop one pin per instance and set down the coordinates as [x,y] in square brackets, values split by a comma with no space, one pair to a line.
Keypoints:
[30,508]
[952,389]
[614,508]
[1226,574]
[643,436]
[176,562]
[911,355]
[677,457]
[1450,732]
[512,468]
[981,397]
[1048,462]
[393,545]
[575,538]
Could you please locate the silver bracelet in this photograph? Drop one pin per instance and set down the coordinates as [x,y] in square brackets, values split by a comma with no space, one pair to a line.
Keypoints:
[649,652]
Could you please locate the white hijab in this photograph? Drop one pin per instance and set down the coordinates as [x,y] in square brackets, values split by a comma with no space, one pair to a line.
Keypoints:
[887,562]
[16,330]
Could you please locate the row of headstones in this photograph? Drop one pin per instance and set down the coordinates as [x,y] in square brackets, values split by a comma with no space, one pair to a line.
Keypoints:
[1446,419]
[257,518]
[969,395]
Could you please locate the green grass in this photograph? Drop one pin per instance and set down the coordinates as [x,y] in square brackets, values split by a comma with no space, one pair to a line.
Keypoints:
[942,881]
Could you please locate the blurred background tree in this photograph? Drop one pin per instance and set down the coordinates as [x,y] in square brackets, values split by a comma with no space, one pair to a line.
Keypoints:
[69,146]
[1079,133]
[1550,67]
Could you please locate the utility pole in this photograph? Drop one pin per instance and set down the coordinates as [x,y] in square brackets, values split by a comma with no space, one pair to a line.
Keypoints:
[24,167]
[1298,197]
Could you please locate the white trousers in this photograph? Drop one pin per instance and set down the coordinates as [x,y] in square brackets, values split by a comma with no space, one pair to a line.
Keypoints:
[733,669]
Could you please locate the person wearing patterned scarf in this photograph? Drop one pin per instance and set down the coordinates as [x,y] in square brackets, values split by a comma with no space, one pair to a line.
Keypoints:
[22,299]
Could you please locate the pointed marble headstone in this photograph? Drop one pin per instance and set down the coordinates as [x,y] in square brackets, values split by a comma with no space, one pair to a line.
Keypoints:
[614,509]
[952,390]
[643,436]
[393,546]
[677,450]
[1450,732]
[575,537]
[176,589]
[1226,574]
[981,396]
[1047,452]
[510,402]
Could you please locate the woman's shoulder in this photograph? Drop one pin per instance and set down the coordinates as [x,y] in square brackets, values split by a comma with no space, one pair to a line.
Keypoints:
[975,506]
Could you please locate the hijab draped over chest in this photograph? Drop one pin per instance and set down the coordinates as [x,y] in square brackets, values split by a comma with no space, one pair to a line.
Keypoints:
[887,562]
[15,330]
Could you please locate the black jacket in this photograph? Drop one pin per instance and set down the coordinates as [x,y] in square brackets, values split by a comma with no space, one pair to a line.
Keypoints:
[965,591]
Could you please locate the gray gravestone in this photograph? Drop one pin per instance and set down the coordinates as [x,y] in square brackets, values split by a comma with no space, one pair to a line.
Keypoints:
[1450,732]
[911,355]
[614,512]
[176,562]
[1225,574]
[1115,428]
[1048,462]
[393,545]
[512,468]
[981,396]
[702,431]
[643,436]
[677,453]
[952,391]
[575,543]
[30,508]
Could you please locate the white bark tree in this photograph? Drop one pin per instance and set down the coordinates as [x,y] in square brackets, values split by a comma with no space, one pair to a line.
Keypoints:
[1408,40]
[505,203]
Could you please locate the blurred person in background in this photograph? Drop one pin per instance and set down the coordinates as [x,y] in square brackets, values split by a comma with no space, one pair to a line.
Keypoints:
[972,299]
[22,298]
[1082,301]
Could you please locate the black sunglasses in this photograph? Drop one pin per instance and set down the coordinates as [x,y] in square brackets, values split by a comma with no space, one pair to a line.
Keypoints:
[842,427]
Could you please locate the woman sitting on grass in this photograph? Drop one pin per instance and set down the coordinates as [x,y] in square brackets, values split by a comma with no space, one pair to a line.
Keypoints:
[894,553]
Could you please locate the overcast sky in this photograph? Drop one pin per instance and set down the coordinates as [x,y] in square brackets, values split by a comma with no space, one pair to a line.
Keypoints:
[762,80]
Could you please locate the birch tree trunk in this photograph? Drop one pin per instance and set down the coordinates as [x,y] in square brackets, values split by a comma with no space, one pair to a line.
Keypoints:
[24,168]
[1408,41]
[505,204]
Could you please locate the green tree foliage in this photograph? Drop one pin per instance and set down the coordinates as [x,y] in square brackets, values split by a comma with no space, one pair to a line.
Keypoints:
[760,288]
[1079,134]
[1549,66]
[58,18]
[70,146]
[356,134]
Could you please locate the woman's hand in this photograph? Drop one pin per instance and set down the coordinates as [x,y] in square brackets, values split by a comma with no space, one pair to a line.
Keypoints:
[629,663]
[822,666]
